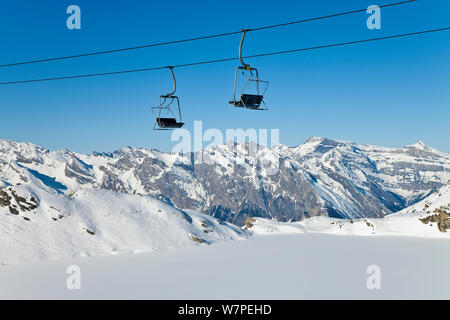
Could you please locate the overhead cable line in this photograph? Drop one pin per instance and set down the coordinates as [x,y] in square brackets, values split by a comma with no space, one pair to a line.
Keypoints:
[197,38]
[228,59]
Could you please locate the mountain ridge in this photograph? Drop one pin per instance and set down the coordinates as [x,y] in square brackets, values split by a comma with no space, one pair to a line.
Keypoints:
[321,177]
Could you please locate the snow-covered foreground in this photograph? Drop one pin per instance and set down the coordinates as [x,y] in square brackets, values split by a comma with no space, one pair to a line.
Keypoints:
[289,266]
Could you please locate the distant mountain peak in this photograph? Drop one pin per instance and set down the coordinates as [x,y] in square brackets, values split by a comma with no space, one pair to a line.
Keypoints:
[327,141]
[317,140]
[421,146]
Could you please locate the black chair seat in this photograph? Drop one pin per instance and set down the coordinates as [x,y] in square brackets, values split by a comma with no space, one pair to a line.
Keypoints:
[169,123]
[249,101]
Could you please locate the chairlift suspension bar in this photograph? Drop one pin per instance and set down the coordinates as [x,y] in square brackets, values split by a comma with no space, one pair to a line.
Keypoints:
[257,81]
[174,82]
[245,65]
[235,84]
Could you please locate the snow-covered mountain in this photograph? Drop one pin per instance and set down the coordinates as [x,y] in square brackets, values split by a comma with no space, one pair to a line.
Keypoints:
[39,223]
[321,177]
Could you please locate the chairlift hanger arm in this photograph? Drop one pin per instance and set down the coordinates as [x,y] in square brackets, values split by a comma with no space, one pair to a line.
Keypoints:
[174,82]
[245,65]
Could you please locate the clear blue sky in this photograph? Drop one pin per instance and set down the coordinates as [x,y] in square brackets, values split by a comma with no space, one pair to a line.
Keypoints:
[389,93]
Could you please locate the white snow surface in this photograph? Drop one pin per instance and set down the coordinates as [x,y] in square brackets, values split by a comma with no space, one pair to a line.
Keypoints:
[288,266]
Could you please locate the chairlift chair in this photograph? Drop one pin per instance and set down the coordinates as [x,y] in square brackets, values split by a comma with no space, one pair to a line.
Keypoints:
[247,99]
[165,116]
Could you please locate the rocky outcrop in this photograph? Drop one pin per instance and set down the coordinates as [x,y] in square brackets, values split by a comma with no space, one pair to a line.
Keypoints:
[441,218]
[16,203]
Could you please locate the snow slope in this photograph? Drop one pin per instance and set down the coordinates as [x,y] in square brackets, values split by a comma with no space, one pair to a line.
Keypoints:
[394,225]
[41,224]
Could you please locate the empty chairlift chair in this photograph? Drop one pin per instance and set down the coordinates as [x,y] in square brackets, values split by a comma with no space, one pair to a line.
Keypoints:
[165,116]
[254,89]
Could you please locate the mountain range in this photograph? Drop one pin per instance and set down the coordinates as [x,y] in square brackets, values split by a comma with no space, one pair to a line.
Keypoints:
[321,177]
